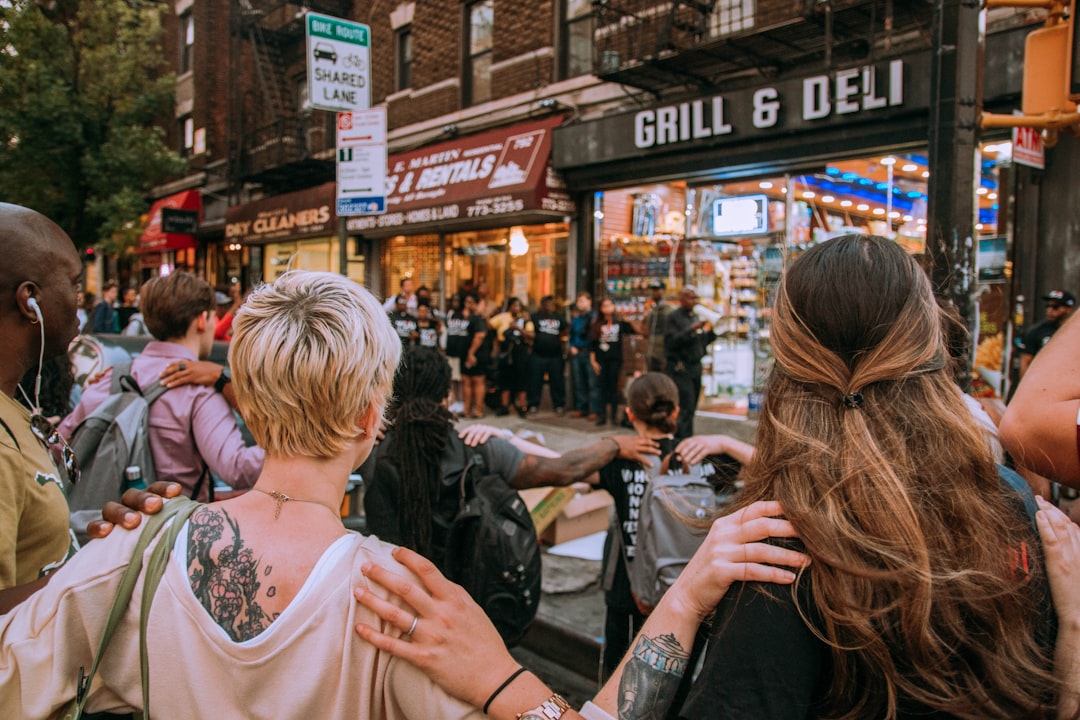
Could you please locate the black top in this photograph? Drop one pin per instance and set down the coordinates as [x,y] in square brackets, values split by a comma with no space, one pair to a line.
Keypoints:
[429,334]
[764,662]
[460,331]
[404,325]
[608,344]
[683,344]
[549,329]
[1034,339]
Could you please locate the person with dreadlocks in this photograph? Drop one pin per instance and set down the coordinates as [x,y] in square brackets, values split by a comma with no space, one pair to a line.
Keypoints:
[406,489]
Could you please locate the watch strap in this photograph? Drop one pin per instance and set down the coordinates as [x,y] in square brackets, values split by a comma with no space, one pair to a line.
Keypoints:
[223,379]
[552,709]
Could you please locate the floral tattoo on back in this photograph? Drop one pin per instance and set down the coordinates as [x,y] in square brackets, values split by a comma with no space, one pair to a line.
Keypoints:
[226,584]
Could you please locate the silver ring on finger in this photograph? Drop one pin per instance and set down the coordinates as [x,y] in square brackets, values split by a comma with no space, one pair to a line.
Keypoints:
[412,628]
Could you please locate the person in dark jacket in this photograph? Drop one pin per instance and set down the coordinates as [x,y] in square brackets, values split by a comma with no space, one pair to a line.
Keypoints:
[686,340]
[549,328]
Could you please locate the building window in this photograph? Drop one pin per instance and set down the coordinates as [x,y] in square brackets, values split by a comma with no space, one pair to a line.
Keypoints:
[732,16]
[187,42]
[403,57]
[481,17]
[187,136]
[577,38]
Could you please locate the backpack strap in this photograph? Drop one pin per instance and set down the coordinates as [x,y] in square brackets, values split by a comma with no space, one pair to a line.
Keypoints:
[17,446]
[179,508]
[119,373]
[1013,480]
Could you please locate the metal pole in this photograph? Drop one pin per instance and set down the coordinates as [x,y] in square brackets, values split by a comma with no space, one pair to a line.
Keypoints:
[955,100]
[343,247]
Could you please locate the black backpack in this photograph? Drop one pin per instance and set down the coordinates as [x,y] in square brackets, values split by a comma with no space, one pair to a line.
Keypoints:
[491,545]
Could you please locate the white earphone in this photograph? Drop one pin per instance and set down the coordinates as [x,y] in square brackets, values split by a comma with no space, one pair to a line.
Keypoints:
[32,303]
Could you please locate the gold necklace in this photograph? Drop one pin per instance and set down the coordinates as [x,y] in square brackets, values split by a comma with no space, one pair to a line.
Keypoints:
[281,498]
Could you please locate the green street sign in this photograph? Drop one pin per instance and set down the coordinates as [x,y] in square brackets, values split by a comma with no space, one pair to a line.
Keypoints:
[339,63]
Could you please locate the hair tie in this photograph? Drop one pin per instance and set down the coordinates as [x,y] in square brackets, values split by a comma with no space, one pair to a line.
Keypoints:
[853,400]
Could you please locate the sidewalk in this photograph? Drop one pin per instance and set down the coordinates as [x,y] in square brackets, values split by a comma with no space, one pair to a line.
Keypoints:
[569,626]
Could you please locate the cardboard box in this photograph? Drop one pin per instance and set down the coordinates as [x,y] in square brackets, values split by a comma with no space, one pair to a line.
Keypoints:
[563,514]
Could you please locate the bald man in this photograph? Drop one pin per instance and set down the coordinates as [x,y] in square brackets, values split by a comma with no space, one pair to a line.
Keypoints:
[41,268]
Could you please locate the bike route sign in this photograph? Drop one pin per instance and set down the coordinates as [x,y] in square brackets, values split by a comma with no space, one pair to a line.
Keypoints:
[339,63]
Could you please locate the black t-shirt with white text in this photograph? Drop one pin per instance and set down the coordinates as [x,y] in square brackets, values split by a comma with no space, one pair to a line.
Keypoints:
[549,329]
[460,331]
[608,344]
[404,325]
[429,335]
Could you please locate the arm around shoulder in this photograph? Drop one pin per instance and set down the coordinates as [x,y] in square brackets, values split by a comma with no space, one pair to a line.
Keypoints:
[1039,427]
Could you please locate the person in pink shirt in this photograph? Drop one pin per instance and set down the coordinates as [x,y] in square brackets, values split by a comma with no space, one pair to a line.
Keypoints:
[193,431]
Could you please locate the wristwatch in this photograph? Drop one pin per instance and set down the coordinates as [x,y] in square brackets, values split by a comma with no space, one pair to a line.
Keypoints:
[223,379]
[551,709]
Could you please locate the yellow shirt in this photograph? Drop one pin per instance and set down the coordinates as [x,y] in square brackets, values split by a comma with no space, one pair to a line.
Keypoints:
[35,536]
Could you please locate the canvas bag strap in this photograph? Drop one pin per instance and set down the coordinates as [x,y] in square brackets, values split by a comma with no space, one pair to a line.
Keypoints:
[153,526]
[155,569]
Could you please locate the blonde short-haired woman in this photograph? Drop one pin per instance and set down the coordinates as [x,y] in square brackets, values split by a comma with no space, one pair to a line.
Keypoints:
[254,613]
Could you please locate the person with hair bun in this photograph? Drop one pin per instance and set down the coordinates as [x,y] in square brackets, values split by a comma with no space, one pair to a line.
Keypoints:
[926,595]
[652,406]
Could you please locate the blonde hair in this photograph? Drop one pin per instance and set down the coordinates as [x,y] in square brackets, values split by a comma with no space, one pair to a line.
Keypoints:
[311,353]
[867,444]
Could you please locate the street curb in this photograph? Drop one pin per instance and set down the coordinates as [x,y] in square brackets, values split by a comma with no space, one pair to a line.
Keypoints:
[577,652]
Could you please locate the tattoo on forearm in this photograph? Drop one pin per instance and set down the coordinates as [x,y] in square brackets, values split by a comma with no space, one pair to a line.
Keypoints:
[651,678]
[226,585]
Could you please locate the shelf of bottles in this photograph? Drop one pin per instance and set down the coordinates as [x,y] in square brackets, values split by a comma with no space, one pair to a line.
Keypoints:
[633,263]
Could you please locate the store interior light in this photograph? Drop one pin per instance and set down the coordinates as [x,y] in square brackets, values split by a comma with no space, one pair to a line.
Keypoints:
[910,167]
[862,207]
[925,174]
[765,185]
[519,244]
[809,194]
[599,214]
[827,198]
[845,203]
[888,160]
[991,196]
[978,226]
[783,190]
[908,218]
[879,211]
[981,191]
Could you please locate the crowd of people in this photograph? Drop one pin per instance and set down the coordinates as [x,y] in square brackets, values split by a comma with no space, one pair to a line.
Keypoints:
[875,561]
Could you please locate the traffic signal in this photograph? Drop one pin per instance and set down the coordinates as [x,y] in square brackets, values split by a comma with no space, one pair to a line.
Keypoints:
[90,256]
[1051,76]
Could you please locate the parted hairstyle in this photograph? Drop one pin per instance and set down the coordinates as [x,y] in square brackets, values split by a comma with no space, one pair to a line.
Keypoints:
[653,398]
[170,303]
[421,425]
[311,353]
[866,442]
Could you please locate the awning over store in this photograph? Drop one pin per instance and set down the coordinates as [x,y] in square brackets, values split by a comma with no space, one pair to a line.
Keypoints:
[304,213]
[471,181]
[174,220]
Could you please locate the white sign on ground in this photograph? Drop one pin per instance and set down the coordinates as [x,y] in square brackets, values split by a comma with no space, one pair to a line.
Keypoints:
[361,166]
[339,63]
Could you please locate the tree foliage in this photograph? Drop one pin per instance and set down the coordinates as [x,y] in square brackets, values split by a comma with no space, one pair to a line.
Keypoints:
[81,85]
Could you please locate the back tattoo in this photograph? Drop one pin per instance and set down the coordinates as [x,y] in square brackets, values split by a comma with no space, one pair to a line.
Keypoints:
[226,585]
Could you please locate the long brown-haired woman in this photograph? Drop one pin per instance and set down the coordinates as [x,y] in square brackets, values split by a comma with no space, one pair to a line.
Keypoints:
[926,596]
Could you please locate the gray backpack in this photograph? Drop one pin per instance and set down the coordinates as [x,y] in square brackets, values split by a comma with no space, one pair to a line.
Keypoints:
[108,440]
[665,539]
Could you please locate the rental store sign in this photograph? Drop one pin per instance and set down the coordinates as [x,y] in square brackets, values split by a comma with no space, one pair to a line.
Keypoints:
[481,176]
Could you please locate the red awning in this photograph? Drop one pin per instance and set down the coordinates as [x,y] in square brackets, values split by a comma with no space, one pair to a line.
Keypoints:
[182,211]
[501,173]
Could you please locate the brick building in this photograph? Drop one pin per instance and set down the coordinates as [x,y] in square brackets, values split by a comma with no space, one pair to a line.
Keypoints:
[546,146]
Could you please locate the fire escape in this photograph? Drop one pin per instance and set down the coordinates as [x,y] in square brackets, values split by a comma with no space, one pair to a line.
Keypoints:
[276,139]
[660,46]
